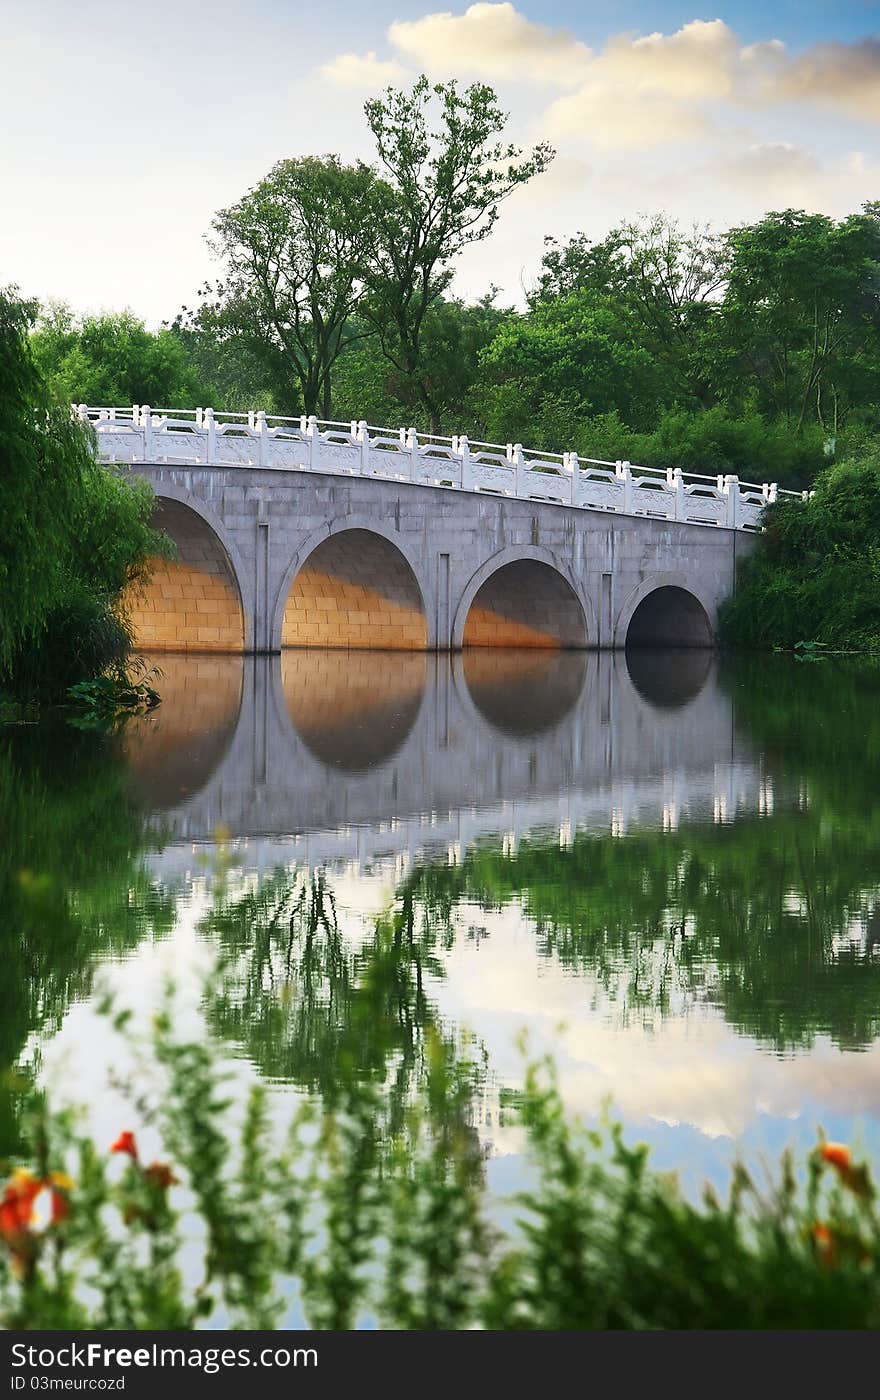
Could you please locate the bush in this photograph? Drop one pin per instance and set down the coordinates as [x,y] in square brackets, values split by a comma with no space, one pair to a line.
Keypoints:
[814,575]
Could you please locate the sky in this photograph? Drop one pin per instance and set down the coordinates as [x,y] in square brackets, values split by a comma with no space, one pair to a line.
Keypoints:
[125,127]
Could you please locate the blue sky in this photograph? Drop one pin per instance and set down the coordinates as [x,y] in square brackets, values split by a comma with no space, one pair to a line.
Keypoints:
[132,124]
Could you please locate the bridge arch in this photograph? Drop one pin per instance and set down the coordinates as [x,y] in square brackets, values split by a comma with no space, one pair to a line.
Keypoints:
[666,610]
[199,600]
[353,584]
[523,597]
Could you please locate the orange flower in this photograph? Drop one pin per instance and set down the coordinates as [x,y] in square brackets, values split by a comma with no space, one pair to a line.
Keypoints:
[160,1175]
[836,1154]
[17,1205]
[126,1143]
[855,1179]
[826,1244]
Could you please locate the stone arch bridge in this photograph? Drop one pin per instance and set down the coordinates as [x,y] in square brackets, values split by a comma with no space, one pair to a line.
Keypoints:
[294,533]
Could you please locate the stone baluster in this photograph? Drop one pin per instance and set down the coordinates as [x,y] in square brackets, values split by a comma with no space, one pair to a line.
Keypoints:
[263,430]
[467,463]
[147,424]
[624,472]
[363,437]
[675,482]
[211,437]
[519,462]
[572,470]
[314,438]
[731,491]
[412,443]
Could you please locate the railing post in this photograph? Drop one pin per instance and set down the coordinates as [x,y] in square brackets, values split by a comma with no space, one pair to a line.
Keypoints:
[772,493]
[135,414]
[624,471]
[731,491]
[314,442]
[363,437]
[676,481]
[412,442]
[82,412]
[263,429]
[147,423]
[211,437]
[519,463]
[570,465]
[467,463]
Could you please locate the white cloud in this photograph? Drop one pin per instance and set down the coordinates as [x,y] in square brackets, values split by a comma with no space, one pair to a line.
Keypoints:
[352,70]
[600,116]
[492,41]
[843,75]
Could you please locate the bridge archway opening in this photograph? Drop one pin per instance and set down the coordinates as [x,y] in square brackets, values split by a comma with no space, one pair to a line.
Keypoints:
[669,617]
[525,603]
[191,602]
[355,591]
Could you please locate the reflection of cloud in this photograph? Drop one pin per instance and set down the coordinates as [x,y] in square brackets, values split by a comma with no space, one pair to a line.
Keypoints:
[692,1068]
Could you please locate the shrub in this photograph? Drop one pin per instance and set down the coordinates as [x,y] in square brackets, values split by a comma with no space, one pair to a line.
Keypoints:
[814,575]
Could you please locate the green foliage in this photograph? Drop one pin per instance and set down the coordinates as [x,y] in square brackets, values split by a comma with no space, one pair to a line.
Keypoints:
[112,359]
[72,534]
[73,885]
[401,1229]
[294,249]
[109,699]
[814,575]
[445,173]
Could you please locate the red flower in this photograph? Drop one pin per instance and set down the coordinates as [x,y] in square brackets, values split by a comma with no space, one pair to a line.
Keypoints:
[17,1205]
[126,1143]
[855,1179]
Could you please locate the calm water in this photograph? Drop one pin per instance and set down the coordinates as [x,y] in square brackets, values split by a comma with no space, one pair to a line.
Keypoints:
[666,869]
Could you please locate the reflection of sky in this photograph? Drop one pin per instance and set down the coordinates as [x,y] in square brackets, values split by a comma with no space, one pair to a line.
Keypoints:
[693,1087]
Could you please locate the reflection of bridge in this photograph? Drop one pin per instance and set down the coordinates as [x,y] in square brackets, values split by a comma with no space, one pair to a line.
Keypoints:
[330,756]
[293,533]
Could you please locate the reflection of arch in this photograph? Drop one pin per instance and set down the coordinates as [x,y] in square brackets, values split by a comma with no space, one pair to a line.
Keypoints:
[668,678]
[352,712]
[174,752]
[353,585]
[522,597]
[194,601]
[666,610]
[524,693]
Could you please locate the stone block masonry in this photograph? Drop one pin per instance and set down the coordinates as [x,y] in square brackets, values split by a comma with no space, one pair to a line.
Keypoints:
[271,557]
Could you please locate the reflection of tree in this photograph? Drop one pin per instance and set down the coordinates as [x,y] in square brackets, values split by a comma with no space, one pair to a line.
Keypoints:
[755,917]
[72,886]
[315,1008]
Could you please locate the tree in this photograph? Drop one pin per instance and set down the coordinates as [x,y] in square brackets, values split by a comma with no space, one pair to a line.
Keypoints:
[454,336]
[665,279]
[294,248]
[113,359]
[801,318]
[72,535]
[441,191]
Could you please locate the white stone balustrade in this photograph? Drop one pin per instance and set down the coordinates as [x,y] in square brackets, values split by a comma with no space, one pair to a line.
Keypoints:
[201,437]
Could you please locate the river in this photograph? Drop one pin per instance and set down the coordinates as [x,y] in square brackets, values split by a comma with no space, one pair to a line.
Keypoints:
[664,867]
